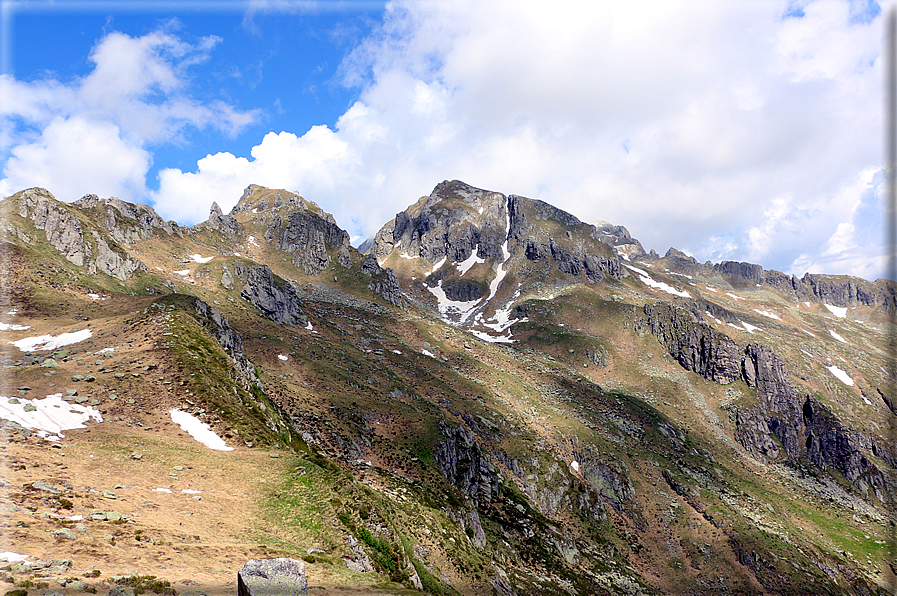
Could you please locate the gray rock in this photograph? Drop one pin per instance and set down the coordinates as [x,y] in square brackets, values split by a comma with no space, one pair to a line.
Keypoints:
[77,586]
[224,223]
[119,590]
[462,462]
[64,533]
[276,298]
[61,227]
[362,563]
[696,345]
[227,278]
[272,577]
[383,281]
[48,488]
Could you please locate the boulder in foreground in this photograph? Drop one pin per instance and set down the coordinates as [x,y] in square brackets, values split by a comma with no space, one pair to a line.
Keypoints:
[272,577]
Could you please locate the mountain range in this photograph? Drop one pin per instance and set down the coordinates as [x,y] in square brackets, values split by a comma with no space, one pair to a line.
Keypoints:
[489,396]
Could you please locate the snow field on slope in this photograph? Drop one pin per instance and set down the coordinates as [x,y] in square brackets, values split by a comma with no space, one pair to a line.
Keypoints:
[840,375]
[199,430]
[49,416]
[50,342]
[650,282]
[838,311]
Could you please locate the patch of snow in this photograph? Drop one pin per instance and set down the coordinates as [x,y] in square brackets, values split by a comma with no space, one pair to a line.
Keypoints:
[11,557]
[734,325]
[766,313]
[575,465]
[51,415]
[750,328]
[680,274]
[806,304]
[11,327]
[182,272]
[104,350]
[450,308]
[409,257]
[159,269]
[162,490]
[838,311]
[501,339]
[869,403]
[427,353]
[190,491]
[718,322]
[13,312]
[808,333]
[399,352]
[197,258]
[97,297]
[466,264]
[841,375]
[734,297]
[649,281]
[282,357]
[252,241]
[838,337]
[255,210]
[199,430]
[236,254]
[711,289]
[49,342]
[439,264]
[310,328]
[75,517]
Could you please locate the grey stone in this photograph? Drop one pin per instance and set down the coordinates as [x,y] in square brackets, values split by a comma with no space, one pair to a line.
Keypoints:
[64,533]
[272,577]
[121,591]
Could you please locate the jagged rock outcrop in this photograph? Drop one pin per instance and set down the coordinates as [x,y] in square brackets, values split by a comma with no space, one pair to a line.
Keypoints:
[112,263]
[570,257]
[831,444]
[696,345]
[266,577]
[383,281]
[307,236]
[65,231]
[276,298]
[227,337]
[782,422]
[126,222]
[610,481]
[778,401]
[464,465]
[436,227]
[223,223]
[464,290]
[62,228]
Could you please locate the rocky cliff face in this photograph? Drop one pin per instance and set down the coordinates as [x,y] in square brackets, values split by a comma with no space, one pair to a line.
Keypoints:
[68,234]
[383,281]
[126,222]
[276,298]
[223,223]
[696,345]
[782,423]
[309,238]
[464,465]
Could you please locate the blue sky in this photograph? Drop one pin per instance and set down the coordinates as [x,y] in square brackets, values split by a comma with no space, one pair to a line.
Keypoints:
[731,130]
